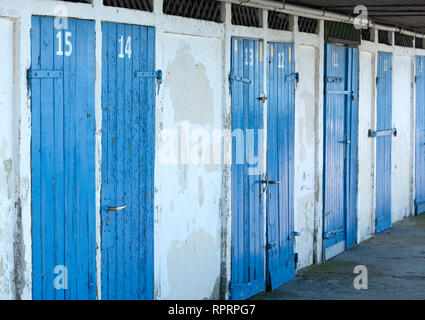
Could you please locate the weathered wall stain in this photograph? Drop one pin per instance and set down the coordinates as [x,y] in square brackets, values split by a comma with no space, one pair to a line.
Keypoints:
[190,91]
[7,167]
[200,191]
[182,173]
[19,253]
[192,265]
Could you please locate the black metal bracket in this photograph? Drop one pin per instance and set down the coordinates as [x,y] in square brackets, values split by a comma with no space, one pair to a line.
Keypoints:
[293,235]
[44,74]
[150,74]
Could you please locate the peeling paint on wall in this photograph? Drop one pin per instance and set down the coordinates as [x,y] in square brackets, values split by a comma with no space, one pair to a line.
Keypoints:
[192,211]
[7,178]
[305,58]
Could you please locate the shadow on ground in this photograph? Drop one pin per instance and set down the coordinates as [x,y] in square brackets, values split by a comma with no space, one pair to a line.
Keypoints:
[395,260]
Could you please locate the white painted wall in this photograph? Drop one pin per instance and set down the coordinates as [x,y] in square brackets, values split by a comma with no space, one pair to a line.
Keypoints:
[7,163]
[187,225]
[366,182]
[192,202]
[305,116]
[402,157]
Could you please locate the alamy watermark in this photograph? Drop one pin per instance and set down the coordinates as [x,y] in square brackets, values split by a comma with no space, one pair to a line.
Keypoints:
[361,281]
[61,280]
[198,146]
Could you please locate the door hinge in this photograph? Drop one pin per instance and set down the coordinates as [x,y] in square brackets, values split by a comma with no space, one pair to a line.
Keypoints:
[377,80]
[233,77]
[151,74]
[44,74]
[334,79]
[332,234]
[294,260]
[295,76]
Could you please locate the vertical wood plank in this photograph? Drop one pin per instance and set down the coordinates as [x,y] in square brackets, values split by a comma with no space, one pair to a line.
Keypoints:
[35,85]
[47,158]
[59,155]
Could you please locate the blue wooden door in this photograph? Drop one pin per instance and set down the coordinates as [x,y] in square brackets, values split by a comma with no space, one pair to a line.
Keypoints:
[420,136]
[128,133]
[61,81]
[246,78]
[281,258]
[383,143]
[340,157]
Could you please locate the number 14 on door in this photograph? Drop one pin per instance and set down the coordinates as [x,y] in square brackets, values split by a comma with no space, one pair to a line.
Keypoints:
[127,50]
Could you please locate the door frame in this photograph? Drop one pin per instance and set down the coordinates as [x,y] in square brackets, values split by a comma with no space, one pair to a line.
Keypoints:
[282,275]
[419,205]
[378,55]
[150,76]
[81,288]
[351,162]
[244,290]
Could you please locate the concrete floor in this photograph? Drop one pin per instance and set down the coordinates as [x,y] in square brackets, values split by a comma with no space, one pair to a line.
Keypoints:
[395,260]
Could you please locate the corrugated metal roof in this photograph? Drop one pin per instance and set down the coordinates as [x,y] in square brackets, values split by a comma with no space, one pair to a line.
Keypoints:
[408,14]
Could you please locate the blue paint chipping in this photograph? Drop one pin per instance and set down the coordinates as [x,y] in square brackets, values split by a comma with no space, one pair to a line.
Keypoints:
[63,159]
[383,143]
[247,213]
[128,106]
[281,259]
[341,146]
[420,136]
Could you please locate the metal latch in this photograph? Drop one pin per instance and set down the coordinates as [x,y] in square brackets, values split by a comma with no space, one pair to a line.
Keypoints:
[274,182]
[150,74]
[267,182]
[382,133]
[270,245]
[293,235]
[263,98]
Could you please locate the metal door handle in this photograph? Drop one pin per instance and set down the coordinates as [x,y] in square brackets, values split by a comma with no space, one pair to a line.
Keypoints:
[347,141]
[115,209]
